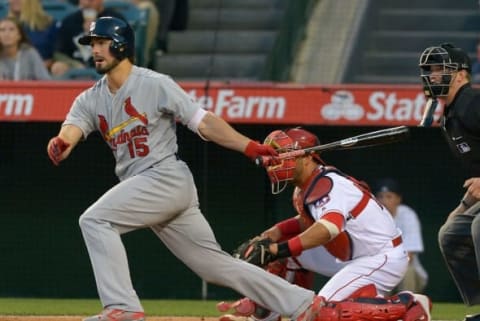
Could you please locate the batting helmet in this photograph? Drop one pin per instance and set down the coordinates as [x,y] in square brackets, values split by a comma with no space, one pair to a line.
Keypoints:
[444,60]
[119,31]
[284,141]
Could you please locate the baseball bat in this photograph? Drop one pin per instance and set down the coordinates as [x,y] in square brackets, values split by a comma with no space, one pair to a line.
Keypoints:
[379,137]
[427,118]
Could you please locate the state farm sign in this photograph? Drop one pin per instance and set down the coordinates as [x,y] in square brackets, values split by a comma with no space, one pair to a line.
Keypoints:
[252,103]
[347,105]
[16,105]
[228,104]
[381,106]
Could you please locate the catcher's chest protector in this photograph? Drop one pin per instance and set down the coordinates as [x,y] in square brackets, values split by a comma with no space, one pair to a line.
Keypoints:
[318,188]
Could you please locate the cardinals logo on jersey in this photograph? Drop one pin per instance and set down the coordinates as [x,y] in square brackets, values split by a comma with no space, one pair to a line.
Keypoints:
[131,111]
[135,137]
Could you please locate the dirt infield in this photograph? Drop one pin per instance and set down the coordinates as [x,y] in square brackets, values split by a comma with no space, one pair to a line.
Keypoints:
[79,318]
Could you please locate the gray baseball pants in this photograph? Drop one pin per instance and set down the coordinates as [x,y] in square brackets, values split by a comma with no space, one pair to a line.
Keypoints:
[164,198]
[459,240]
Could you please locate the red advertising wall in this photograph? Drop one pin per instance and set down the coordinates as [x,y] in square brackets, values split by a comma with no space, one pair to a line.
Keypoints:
[252,103]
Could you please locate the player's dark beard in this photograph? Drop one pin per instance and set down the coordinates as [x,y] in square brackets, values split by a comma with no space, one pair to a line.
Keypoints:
[107,68]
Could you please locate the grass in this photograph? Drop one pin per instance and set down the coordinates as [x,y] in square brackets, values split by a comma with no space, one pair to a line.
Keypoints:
[22,306]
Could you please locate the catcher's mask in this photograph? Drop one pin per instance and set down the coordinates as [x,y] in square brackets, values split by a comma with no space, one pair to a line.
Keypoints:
[284,141]
[437,66]
[115,29]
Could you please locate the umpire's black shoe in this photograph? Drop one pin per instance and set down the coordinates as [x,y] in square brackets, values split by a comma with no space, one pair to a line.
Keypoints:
[472,317]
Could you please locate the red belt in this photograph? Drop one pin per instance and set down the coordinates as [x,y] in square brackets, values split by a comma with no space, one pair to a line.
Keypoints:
[397,241]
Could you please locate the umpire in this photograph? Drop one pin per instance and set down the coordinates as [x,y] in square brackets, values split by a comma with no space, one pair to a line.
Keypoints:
[445,73]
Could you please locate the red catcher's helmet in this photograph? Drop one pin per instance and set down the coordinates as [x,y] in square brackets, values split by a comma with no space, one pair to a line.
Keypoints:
[285,141]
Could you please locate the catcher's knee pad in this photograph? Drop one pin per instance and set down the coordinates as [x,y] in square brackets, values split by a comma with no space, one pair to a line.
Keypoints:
[369,291]
[365,309]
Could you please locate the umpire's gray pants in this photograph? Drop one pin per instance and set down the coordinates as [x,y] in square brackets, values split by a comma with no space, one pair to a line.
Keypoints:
[164,198]
[459,240]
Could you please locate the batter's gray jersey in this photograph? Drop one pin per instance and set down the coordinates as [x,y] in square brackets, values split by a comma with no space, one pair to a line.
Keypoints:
[158,191]
[138,122]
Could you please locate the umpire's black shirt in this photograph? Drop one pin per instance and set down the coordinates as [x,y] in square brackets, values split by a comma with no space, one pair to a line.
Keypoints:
[461,126]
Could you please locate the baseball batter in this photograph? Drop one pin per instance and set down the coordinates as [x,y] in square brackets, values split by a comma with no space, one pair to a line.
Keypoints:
[136,110]
[338,213]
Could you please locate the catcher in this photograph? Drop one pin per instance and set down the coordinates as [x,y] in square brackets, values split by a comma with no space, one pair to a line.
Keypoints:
[338,214]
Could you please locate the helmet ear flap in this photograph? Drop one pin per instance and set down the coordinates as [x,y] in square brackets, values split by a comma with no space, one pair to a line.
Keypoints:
[118,50]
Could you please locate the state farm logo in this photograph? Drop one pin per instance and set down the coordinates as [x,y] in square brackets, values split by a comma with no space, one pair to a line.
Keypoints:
[342,105]
[16,105]
[377,106]
[228,104]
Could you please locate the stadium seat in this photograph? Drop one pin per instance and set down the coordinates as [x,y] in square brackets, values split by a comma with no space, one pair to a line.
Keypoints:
[58,9]
[81,74]
[3,9]
[138,19]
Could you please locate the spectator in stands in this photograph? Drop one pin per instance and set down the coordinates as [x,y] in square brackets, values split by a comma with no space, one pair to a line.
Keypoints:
[476,65]
[173,16]
[68,52]
[19,60]
[39,26]
[152,26]
[388,192]
[167,10]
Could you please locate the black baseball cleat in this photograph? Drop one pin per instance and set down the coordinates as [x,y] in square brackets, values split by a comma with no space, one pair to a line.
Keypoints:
[472,317]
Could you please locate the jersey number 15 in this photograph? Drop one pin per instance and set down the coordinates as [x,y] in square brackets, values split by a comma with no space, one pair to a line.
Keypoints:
[138,147]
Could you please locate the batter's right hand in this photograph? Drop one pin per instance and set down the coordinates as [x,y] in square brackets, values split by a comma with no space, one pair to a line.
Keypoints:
[255,149]
[56,147]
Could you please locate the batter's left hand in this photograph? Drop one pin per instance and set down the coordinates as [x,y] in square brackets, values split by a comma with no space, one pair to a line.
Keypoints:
[473,187]
[55,149]
[255,149]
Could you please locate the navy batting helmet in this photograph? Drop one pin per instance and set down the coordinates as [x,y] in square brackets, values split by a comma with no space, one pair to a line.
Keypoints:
[119,31]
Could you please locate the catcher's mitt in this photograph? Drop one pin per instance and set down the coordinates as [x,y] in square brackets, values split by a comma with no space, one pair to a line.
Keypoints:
[255,251]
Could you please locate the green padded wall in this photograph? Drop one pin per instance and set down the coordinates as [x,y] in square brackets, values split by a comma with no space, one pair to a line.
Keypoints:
[42,249]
